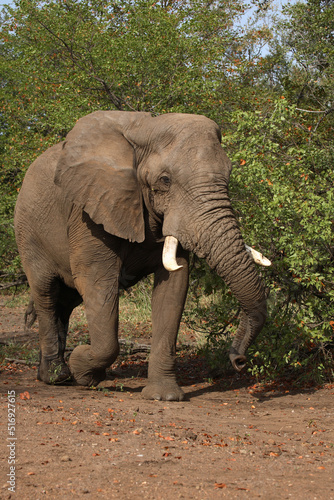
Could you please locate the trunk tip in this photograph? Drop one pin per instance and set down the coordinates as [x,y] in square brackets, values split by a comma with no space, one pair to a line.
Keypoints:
[238,361]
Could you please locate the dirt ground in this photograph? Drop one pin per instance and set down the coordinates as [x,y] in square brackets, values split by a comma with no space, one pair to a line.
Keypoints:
[229,439]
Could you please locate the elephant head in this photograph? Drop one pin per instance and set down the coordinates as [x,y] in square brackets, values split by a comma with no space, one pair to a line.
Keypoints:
[114,165]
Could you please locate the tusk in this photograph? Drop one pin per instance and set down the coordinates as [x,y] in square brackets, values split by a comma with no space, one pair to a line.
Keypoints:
[169,254]
[258,257]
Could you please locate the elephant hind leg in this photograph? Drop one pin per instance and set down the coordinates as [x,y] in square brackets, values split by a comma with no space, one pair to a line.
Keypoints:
[54,303]
[30,315]
[68,299]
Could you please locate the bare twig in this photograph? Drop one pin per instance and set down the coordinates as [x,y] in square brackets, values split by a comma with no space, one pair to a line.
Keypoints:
[17,361]
[311,111]
[130,347]
[20,281]
[321,120]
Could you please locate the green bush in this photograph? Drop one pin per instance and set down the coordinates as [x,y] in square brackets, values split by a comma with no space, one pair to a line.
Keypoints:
[283,194]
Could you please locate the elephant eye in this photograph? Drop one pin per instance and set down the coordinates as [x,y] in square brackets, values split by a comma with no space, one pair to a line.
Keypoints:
[165,180]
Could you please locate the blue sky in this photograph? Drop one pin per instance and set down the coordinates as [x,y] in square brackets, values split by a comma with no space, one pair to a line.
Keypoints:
[4,2]
[277,3]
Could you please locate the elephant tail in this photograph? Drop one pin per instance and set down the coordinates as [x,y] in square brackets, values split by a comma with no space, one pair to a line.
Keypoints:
[30,315]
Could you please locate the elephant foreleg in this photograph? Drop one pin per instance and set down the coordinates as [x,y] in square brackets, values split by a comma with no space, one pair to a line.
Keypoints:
[96,261]
[169,295]
[99,289]
[88,363]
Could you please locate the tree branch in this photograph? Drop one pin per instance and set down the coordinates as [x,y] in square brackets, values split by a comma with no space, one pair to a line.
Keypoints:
[311,111]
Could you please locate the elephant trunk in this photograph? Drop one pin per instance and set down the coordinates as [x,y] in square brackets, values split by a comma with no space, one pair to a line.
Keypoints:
[245,284]
[217,238]
[228,255]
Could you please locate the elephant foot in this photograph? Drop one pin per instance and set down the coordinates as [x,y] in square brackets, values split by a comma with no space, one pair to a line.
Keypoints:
[163,391]
[53,371]
[82,371]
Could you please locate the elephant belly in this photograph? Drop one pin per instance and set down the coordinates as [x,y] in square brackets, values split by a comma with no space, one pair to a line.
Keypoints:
[139,262]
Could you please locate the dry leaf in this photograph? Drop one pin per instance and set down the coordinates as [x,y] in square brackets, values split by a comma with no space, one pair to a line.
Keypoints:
[220,485]
[24,395]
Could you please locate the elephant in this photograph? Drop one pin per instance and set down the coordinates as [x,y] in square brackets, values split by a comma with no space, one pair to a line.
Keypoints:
[125,195]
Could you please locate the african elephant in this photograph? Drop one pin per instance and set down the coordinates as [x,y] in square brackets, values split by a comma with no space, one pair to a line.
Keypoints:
[125,195]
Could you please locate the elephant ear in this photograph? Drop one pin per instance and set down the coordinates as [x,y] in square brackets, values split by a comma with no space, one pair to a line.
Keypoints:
[96,171]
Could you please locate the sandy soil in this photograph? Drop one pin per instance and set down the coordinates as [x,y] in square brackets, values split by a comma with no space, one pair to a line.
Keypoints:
[229,439]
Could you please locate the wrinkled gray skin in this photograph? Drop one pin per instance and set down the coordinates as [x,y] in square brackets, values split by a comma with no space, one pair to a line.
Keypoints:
[92,216]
